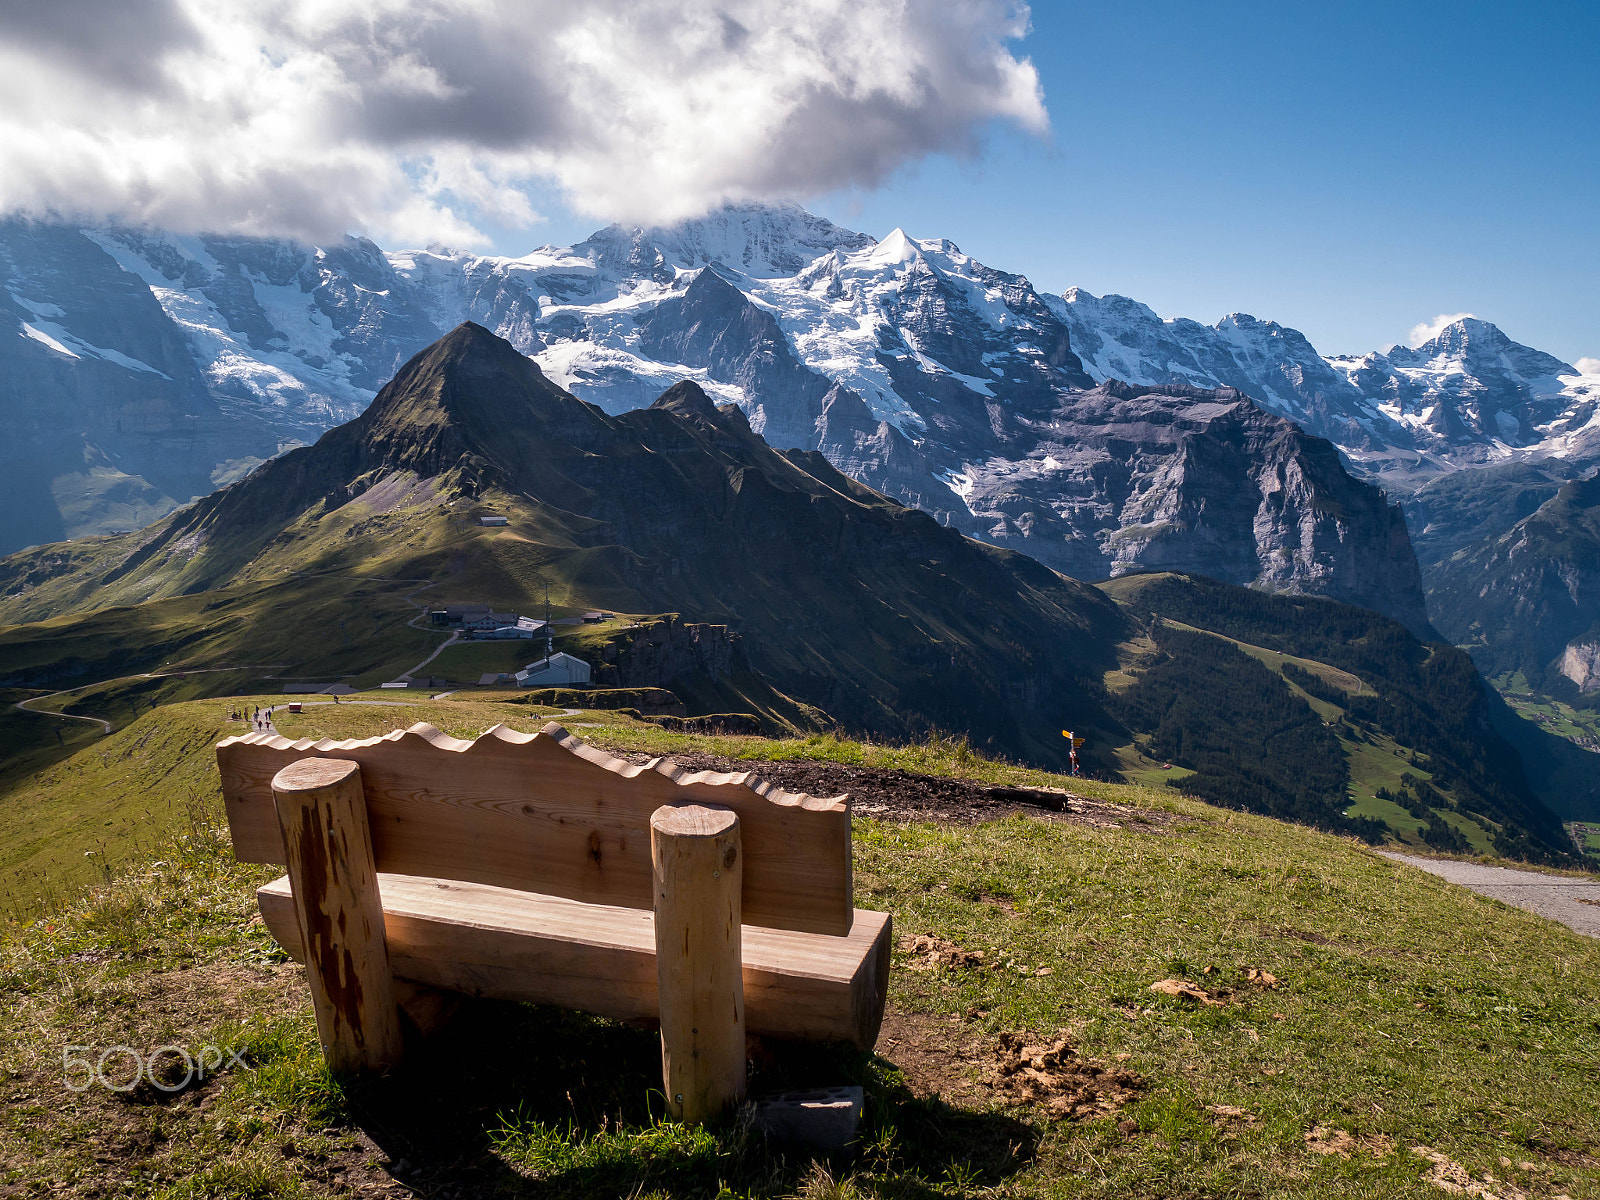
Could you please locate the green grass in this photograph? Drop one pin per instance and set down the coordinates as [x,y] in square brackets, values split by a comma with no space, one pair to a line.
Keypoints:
[83,818]
[1139,768]
[465,662]
[1379,762]
[28,739]
[1407,1012]
[313,627]
[1576,725]
[1375,760]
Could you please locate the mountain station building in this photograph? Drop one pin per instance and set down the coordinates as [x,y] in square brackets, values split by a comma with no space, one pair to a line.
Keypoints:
[558,670]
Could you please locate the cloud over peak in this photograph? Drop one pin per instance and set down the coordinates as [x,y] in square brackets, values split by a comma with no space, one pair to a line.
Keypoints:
[412,119]
[1426,331]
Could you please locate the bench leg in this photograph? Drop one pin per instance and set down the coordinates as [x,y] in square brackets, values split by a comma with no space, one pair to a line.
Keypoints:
[328,843]
[699,875]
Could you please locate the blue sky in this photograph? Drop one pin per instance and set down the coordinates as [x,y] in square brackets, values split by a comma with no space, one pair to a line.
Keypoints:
[1350,169]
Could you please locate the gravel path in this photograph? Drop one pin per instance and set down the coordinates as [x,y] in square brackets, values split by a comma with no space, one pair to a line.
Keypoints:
[1560,898]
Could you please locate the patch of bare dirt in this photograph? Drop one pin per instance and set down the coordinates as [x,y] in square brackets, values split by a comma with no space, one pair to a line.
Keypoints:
[1053,1077]
[1231,1118]
[946,1057]
[895,795]
[928,952]
[938,1055]
[1326,1140]
[1450,1176]
[1182,989]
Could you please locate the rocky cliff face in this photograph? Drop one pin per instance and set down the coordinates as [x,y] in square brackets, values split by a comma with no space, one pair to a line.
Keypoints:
[1470,396]
[109,423]
[1122,478]
[1580,664]
[661,652]
[1529,599]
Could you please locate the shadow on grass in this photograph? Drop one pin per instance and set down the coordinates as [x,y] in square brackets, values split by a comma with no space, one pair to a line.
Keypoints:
[514,1100]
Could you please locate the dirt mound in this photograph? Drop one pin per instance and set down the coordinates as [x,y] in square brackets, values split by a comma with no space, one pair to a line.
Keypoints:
[896,795]
[1179,989]
[929,952]
[1324,1139]
[947,1057]
[1182,989]
[1054,1077]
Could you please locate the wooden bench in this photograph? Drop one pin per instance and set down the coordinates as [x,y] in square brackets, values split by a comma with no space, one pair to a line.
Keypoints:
[536,867]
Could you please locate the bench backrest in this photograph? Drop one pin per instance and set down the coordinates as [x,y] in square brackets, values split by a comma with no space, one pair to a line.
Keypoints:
[548,813]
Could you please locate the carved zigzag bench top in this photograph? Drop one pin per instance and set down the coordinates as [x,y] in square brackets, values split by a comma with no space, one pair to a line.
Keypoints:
[550,814]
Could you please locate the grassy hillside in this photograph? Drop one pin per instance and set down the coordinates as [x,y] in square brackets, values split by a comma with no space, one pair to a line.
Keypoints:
[1335,716]
[1375,764]
[1401,1013]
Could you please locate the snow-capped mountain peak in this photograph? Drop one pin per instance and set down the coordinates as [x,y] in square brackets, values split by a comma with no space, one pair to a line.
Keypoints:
[763,241]
[1472,394]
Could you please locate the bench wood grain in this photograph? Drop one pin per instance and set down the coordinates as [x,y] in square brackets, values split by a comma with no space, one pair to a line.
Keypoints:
[513,945]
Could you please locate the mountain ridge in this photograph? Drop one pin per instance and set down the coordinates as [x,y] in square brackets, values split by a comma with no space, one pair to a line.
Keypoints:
[649,511]
[913,367]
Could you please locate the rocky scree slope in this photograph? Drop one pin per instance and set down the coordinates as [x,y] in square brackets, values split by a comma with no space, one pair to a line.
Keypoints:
[845,600]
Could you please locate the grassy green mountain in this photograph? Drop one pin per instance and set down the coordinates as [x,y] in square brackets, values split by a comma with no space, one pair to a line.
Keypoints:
[851,607]
[1331,715]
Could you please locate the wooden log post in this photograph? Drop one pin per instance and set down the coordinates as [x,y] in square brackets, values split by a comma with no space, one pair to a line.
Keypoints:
[699,875]
[323,814]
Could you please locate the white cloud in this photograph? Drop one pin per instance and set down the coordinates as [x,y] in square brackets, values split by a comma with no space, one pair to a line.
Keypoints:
[409,119]
[1588,366]
[1428,330]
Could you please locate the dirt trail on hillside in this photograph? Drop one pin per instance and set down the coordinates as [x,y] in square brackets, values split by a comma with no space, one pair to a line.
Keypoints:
[1572,901]
[895,795]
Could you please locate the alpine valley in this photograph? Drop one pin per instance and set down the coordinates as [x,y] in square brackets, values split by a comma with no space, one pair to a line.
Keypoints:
[836,481]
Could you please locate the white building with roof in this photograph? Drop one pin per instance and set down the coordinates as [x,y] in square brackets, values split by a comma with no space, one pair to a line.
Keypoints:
[559,670]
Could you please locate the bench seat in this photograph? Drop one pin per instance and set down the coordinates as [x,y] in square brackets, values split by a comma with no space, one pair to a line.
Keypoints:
[507,944]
